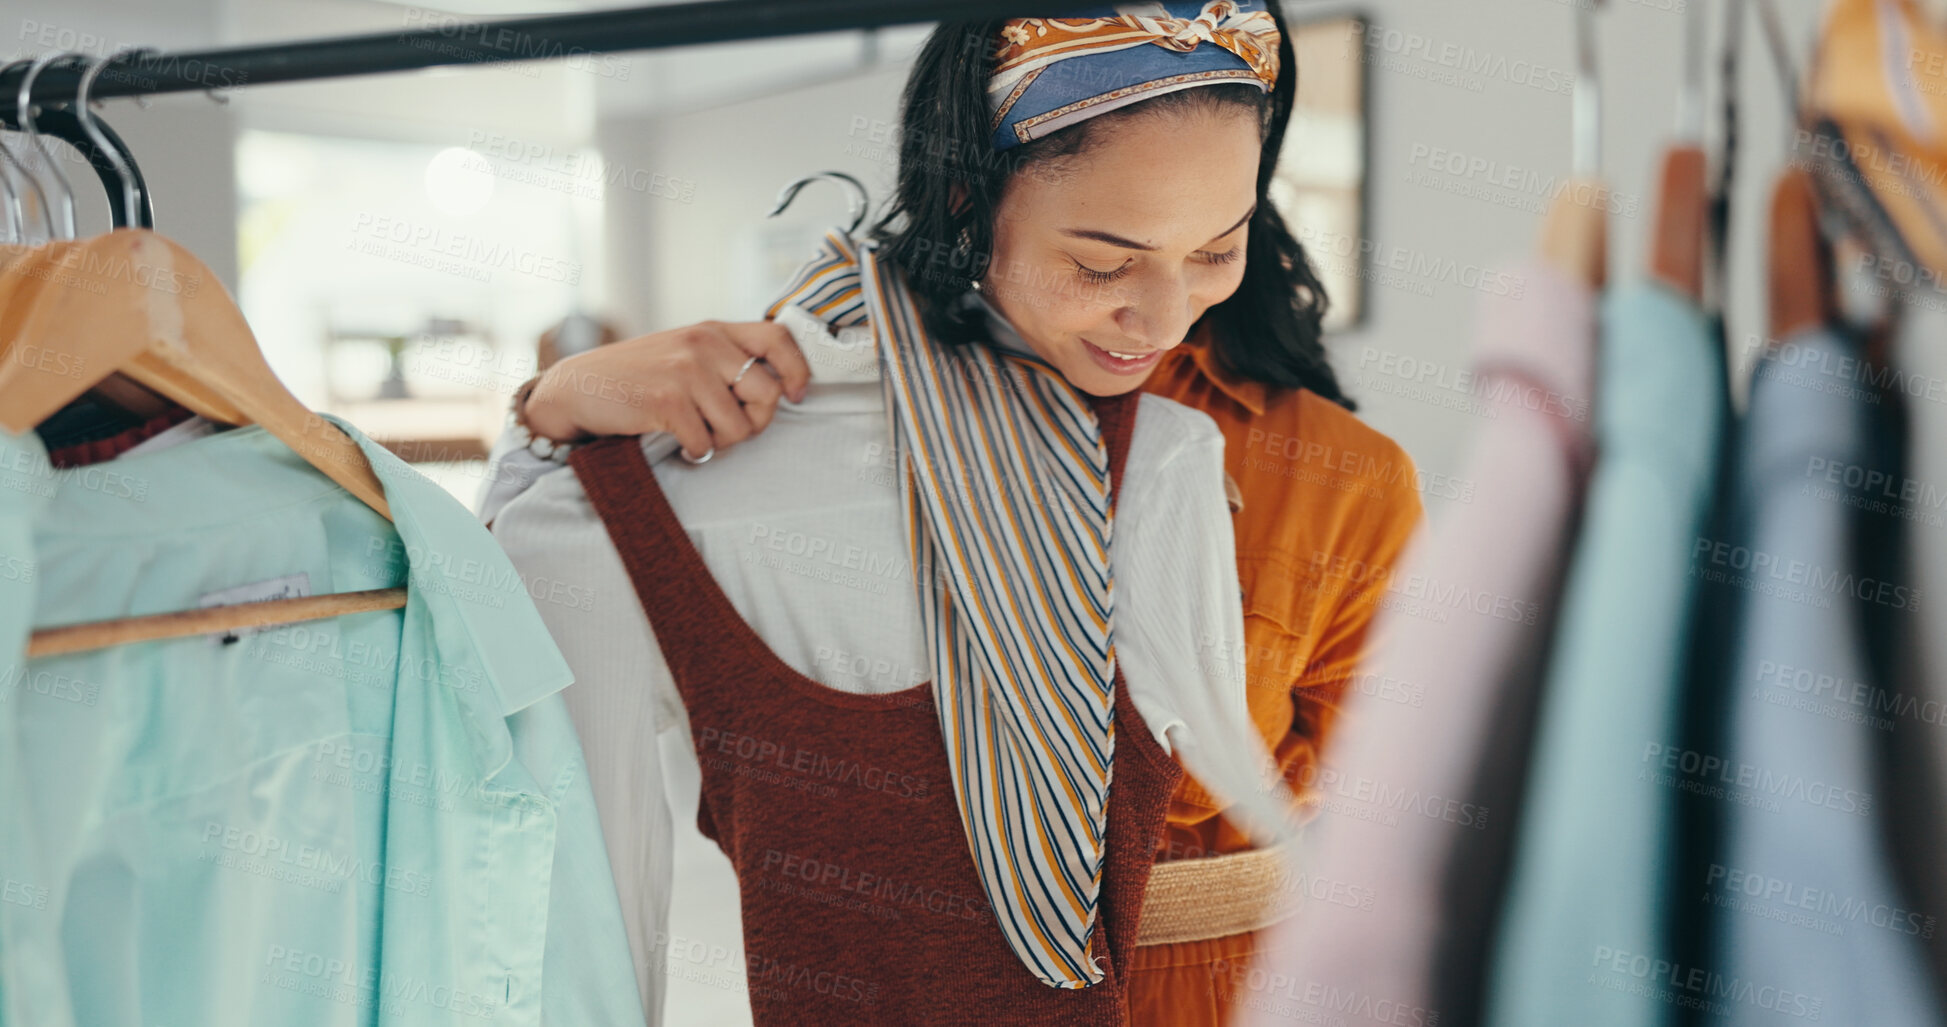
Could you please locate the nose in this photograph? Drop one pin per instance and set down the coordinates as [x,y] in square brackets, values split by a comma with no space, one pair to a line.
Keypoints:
[1156,313]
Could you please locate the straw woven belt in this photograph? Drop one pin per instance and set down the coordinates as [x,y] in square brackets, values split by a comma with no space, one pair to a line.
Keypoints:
[1217,896]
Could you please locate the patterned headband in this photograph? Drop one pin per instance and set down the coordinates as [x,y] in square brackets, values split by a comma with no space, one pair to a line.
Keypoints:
[1053,72]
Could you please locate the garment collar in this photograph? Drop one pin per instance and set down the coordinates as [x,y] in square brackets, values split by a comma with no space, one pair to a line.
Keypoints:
[480,609]
[1254,395]
[849,355]
[1006,337]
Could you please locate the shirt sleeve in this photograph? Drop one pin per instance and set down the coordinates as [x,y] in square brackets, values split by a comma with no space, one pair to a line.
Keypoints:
[622,699]
[511,469]
[1177,593]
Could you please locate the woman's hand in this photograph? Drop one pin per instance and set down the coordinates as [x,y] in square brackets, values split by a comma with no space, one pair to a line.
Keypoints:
[678,381]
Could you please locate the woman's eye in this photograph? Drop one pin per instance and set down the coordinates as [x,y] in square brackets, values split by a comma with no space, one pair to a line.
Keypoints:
[1091,275]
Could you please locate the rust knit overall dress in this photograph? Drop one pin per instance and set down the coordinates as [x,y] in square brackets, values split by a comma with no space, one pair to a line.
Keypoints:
[861,904]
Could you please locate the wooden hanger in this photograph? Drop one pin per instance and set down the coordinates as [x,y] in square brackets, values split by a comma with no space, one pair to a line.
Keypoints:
[21,282]
[1799,265]
[137,302]
[1801,293]
[1677,240]
[1575,233]
[1682,205]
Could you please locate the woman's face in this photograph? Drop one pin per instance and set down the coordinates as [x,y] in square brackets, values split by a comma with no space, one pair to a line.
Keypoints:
[1127,244]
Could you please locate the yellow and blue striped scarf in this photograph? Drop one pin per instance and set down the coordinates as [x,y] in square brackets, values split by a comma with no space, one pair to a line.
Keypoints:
[1007,507]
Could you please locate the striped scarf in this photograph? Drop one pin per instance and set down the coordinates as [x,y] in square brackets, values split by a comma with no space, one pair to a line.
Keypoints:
[1007,508]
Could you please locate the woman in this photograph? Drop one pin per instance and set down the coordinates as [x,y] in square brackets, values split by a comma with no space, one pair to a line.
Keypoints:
[1132,248]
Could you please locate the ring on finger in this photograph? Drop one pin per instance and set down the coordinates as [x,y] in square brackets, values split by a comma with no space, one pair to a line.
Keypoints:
[704,459]
[741,370]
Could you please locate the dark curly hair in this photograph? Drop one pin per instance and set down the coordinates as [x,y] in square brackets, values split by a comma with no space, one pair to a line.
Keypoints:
[1267,331]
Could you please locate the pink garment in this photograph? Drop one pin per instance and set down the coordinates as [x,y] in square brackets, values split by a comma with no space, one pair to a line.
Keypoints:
[1403,866]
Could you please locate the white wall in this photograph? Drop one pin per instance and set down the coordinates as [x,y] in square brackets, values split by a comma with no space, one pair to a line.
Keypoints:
[673,254]
[671,258]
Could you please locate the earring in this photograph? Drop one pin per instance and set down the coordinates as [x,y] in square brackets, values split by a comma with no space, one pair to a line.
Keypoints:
[964,245]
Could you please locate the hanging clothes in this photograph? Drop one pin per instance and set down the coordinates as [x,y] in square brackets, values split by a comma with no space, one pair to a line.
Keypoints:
[1914,712]
[1806,918]
[1880,75]
[808,542]
[1418,799]
[377,818]
[31,975]
[1593,863]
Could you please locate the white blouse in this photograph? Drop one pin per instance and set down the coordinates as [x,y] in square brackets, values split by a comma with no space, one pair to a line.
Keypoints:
[800,526]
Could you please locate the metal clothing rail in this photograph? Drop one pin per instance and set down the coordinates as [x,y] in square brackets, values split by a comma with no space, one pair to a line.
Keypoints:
[431,39]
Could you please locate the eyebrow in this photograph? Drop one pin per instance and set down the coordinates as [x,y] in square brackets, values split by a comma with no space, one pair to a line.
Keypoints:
[1116,240]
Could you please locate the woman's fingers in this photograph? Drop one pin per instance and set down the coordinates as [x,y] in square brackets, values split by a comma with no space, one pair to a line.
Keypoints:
[684,381]
[687,424]
[774,343]
[707,367]
[759,390]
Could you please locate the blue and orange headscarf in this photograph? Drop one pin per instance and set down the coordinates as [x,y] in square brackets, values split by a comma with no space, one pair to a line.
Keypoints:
[1053,72]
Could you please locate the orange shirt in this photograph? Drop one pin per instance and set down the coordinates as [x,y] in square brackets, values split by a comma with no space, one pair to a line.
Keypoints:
[1327,503]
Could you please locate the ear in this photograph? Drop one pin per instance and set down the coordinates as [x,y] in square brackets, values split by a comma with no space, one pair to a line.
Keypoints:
[957,198]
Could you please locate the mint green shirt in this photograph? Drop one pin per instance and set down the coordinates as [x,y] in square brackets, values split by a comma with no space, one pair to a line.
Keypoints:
[1592,866]
[381,818]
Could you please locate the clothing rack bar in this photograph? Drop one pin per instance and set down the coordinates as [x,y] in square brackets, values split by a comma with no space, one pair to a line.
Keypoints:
[434,40]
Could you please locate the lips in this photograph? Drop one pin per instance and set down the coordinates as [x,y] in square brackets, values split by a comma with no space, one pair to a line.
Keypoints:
[1120,365]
